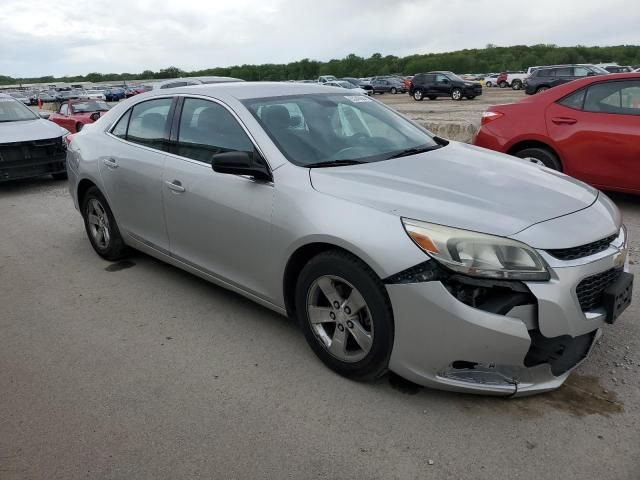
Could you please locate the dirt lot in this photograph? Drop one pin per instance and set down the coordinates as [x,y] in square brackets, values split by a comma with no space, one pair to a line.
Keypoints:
[455,120]
[137,370]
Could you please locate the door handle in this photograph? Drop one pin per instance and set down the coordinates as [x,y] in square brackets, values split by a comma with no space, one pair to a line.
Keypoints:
[564,120]
[175,185]
[110,162]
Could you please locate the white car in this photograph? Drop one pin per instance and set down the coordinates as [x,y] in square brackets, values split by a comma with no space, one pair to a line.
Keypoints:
[348,85]
[92,95]
[491,80]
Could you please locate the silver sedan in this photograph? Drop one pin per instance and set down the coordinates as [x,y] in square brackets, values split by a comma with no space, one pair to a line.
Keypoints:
[452,266]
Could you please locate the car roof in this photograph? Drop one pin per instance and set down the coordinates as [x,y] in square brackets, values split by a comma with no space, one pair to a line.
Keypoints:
[243,90]
[569,87]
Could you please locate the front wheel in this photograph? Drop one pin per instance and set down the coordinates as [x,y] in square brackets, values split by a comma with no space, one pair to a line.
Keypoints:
[541,156]
[503,84]
[101,226]
[516,85]
[394,90]
[456,94]
[345,314]
[417,95]
[79,126]
[542,89]
[488,84]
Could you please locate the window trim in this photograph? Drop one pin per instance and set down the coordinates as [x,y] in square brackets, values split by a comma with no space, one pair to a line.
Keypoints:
[112,126]
[586,89]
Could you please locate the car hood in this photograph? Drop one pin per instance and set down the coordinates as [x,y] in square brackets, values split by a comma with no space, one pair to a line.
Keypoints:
[459,186]
[24,131]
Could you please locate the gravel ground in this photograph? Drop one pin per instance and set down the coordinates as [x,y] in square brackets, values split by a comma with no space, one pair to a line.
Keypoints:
[137,370]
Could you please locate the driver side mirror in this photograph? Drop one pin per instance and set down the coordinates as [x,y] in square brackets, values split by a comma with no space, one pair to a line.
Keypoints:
[44,115]
[241,163]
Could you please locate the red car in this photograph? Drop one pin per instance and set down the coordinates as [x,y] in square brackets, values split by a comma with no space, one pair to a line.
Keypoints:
[75,114]
[588,128]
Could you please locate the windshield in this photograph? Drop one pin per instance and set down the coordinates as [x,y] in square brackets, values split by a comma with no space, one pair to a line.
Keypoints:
[90,106]
[14,111]
[321,128]
[599,70]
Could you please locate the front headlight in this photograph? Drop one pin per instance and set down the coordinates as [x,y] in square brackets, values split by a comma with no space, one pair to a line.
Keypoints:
[477,254]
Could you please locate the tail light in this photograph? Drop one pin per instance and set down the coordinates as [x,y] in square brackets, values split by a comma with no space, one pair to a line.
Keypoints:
[490,116]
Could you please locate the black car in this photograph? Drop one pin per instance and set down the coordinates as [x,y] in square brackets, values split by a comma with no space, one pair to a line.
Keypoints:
[442,84]
[384,85]
[545,78]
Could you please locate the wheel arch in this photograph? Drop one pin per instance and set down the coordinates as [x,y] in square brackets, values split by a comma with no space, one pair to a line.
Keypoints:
[531,143]
[83,186]
[296,262]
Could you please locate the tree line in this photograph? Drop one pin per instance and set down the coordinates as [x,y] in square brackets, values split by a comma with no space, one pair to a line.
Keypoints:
[492,58]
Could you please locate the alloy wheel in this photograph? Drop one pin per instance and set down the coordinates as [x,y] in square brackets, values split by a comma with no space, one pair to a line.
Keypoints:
[98,224]
[340,318]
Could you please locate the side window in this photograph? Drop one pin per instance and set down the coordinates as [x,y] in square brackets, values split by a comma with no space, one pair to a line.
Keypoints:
[575,100]
[441,79]
[64,109]
[147,123]
[429,78]
[207,128]
[564,72]
[614,97]
[580,71]
[120,128]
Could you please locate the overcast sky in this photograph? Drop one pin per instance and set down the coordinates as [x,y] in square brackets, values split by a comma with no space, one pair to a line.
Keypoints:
[42,37]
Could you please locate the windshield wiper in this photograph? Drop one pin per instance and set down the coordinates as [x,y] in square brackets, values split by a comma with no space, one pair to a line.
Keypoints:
[333,163]
[414,151]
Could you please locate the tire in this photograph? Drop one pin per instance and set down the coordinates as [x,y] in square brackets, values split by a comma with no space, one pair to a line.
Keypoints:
[542,89]
[60,176]
[341,273]
[503,84]
[488,84]
[79,126]
[456,94]
[417,95]
[541,156]
[516,85]
[113,247]
[432,97]
[394,90]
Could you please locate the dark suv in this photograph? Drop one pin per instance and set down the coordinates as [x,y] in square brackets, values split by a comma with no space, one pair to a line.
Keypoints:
[545,78]
[442,84]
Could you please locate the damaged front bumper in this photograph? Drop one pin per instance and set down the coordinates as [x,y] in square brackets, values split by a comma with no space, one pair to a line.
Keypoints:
[496,338]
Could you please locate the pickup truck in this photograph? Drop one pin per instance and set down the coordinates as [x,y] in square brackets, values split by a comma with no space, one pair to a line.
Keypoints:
[514,80]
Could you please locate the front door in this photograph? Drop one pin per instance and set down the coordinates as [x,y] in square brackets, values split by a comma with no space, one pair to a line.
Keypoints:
[218,223]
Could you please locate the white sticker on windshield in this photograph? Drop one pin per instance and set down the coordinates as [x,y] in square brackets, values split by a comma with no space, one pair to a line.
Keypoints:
[357,98]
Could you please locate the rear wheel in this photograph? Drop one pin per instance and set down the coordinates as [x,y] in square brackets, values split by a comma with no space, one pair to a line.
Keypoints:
[516,85]
[503,84]
[101,226]
[394,90]
[541,156]
[542,89]
[487,84]
[79,126]
[345,314]
[456,94]
[417,95]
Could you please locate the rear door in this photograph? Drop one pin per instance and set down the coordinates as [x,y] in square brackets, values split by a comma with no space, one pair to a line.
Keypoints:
[218,223]
[131,170]
[597,131]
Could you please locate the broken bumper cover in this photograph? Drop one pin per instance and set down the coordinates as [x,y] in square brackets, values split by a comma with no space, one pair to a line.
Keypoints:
[443,343]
